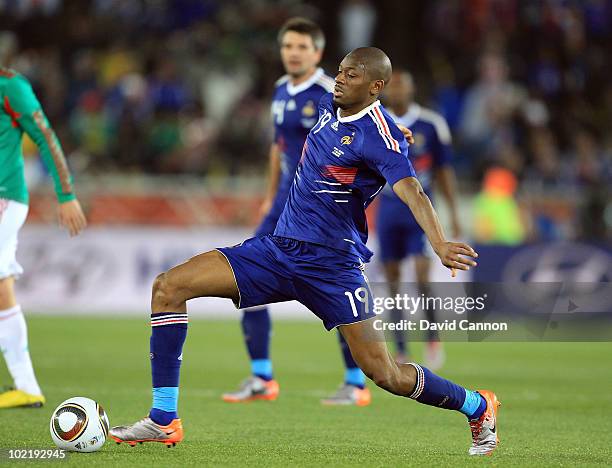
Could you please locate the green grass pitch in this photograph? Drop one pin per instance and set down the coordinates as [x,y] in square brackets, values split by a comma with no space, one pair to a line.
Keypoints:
[556,400]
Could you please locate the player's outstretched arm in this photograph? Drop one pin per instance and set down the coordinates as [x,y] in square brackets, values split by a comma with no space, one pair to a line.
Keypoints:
[28,114]
[454,255]
[273,178]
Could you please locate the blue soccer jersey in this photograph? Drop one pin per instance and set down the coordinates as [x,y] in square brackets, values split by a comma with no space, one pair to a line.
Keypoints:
[399,234]
[294,113]
[430,151]
[345,162]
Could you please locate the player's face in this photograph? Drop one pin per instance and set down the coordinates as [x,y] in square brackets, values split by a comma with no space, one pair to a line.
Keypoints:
[399,92]
[352,85]
[299,54]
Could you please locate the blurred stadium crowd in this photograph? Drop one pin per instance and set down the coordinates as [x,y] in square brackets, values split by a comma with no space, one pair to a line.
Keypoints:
[183,87]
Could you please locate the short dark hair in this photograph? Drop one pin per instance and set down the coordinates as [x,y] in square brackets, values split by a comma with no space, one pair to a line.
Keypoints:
[303,26]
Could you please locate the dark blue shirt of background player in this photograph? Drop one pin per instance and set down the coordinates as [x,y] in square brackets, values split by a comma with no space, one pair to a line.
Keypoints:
[431,151]
[294,113]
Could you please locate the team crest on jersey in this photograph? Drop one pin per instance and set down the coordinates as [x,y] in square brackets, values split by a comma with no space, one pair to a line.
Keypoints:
[290,105]
[346,140]
[335,125]
[309,109]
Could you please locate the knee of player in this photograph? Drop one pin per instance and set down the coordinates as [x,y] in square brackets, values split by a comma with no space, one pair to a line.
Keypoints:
[162,287]
[158,283]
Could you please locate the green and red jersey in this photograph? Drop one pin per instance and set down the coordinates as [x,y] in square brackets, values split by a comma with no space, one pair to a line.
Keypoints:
[21,112]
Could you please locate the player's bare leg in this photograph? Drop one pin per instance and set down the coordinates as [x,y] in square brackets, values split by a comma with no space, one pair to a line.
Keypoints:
[434,351]
[371,354]
[413,381]
[7,293]
[205,275]
[392,272]
[14,347]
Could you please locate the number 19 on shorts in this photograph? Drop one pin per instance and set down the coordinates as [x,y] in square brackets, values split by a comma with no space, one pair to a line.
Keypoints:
[361,295]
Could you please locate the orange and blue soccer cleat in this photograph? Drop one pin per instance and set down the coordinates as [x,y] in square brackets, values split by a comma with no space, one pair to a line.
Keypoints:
[349,395]
[484,429]
[252,389]
[146,430]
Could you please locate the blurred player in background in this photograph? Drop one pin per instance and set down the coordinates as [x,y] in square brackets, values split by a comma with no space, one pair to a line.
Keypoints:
[295,112]
[399,233]
[21,112]
[316,256]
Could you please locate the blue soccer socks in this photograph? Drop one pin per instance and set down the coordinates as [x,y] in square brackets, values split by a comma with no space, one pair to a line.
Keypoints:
[474,404]
[257,329]
[262,368]
[169,331]
[399,336]
[353,375]
[433,390]
[165,405]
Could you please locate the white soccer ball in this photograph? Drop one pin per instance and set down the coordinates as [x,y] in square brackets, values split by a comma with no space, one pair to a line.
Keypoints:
[79,424]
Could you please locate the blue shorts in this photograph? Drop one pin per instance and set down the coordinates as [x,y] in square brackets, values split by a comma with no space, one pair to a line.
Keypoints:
[399,234]
[329,282]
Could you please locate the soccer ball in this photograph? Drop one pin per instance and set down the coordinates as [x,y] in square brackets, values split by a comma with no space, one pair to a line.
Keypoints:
[79,424]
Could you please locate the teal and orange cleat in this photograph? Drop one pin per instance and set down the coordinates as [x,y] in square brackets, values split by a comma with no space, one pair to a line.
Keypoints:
[348,395]
[146,430]
[253,389]
[484,429]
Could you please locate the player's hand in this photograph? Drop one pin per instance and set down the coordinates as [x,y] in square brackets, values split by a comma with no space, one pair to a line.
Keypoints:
[407,133]
[456,256]
[265,207]
[71,217]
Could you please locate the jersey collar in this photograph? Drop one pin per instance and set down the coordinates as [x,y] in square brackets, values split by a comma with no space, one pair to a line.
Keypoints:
[411,115]
[358,115]
[292,90]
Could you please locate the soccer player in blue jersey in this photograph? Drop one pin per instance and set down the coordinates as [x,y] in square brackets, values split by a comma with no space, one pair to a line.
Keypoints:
[399,233]
[316,256]
[294,112]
